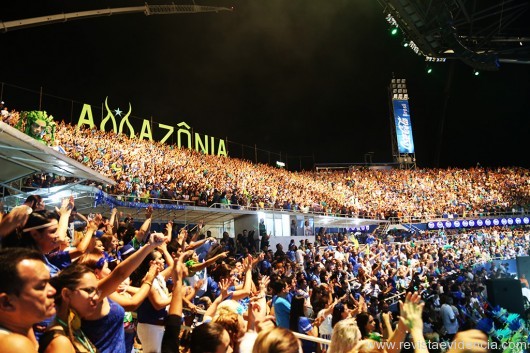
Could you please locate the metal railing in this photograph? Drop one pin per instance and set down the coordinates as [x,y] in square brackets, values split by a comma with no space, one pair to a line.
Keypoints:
[405,219]
[311,338]
[395,297]
[307,211]
[151,200]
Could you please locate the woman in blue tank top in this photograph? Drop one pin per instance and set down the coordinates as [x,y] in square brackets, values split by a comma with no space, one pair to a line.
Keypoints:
[153,310]
[87,321]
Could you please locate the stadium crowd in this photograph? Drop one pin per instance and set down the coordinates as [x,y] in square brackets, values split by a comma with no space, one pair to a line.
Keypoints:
[153,172]
[79,294]
[108,284]
[147,170]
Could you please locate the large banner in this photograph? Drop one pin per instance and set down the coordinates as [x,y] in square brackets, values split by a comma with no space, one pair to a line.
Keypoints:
[403,126]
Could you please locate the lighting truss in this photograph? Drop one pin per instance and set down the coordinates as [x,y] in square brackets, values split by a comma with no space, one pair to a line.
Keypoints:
[481,33]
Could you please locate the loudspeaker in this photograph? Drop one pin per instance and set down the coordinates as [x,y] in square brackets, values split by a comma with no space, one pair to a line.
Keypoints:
[506,293]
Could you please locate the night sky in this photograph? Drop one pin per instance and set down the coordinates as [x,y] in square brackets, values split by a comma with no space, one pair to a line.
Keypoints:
[303,77]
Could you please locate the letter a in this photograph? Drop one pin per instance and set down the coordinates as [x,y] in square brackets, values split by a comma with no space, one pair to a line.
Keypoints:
[146,131]
[85,118]
[221,151]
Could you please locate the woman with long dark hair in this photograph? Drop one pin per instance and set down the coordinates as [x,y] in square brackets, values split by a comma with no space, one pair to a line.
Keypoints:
[366,324]
[299,322]
[86,319]
[153,310]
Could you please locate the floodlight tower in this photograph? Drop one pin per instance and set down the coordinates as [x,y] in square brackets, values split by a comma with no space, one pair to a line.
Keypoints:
[400,124]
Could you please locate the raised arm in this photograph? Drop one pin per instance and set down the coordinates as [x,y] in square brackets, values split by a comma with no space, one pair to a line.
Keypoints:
[166,273]
[224,284]
[175,307]
[16,218]
[197,232]
[169,231]
[257,310]
[83,245]
[132,303]
[109,284]
[181,239]
[142,232]
[320,319]
[170,341]
[113,217]
[82,217]
[201,266]
[195,244]
[411,311]
[64,212]
[247,284]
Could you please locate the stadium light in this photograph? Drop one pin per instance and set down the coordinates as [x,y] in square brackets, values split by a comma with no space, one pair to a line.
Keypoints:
[476,72]
[429,69]
[398,88]
[280,164]
[393,31]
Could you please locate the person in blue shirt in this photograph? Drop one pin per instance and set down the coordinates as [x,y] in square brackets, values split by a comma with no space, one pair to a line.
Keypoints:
[291,254]
[85,316]
[282,307]
[299,320]
[265,265]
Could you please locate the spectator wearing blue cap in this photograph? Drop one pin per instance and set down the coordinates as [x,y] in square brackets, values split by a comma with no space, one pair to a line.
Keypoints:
[126,251]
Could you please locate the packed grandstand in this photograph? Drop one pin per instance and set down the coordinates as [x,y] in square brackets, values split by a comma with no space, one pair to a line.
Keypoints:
[118,287]
[151,171]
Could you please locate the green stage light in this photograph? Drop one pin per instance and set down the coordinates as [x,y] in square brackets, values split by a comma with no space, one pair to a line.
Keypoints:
[476,73]
[429,69]
[394,31]
[405,44]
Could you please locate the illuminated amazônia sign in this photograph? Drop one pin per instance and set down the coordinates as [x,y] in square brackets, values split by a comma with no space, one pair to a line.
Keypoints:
[205,144]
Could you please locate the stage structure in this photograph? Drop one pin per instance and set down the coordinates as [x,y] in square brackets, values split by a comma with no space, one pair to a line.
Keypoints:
[400,124]
[482,34]
[147,9]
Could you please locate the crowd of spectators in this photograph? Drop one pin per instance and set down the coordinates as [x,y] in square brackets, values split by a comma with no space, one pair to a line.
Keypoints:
[8,117]
[146,170]
[84,289]
[80,284]
[152,172]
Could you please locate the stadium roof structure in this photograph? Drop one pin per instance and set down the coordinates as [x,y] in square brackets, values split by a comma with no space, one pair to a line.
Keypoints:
[482,33]
[22,156]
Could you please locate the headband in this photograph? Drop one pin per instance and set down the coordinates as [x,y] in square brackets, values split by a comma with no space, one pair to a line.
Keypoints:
[46,225]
